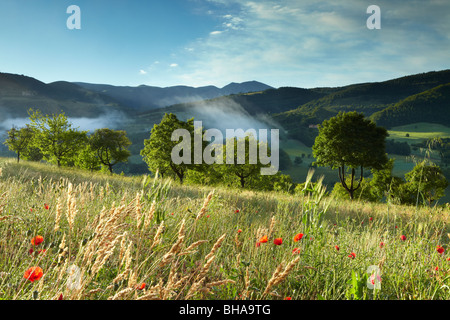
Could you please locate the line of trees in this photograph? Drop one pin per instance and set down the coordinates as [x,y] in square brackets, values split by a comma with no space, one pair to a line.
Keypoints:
[348,142]
[158,150]
[53,139]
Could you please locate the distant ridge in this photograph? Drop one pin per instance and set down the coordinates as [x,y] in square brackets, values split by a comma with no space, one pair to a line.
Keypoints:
[19,93]
[429,106]
[144,98]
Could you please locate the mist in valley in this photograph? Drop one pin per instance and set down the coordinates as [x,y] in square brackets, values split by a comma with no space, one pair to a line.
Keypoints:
[226,114]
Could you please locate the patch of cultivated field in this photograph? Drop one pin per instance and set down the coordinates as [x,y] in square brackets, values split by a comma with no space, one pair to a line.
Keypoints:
[418,132]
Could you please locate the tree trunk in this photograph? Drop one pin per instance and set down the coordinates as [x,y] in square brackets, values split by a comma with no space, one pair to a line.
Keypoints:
[18,156]
[350,190]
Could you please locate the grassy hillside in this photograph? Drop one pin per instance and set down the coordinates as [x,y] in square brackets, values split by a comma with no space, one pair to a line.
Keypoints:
[103,239]
[19,93]
[381,100]
[429,106]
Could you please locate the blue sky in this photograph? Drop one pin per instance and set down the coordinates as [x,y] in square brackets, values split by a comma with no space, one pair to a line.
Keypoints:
[300,43]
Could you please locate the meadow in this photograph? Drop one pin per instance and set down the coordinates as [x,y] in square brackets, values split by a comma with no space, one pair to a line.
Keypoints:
[71,234]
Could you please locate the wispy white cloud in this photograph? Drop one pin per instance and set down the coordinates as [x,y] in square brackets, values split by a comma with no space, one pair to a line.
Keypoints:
[312,43]
[142,72]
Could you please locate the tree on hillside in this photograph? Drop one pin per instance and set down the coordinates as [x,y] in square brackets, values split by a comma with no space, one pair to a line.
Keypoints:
[157,152]
[19,140]
[424,180]
[242,167]
[350,140]
[383,183]
[110,146]
[55,137]
[87,158]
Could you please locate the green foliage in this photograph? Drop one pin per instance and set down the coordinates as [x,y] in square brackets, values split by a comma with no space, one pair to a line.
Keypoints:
[357,285]
[56,138]
[383,183]
[427,106]
[110,147]
[87,159]
[399,148]
[425,182]
[20,141]
[157,152]
[364,192]
[353,141]
[241,165]
[277,182]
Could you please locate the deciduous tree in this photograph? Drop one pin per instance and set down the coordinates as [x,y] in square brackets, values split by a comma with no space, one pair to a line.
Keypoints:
[350,140]
[110,146]
[55,137]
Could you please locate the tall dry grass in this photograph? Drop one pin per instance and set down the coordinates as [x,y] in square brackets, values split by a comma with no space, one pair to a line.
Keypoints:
[111,238]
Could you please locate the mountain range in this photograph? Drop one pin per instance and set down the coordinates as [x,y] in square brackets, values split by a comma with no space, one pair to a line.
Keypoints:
[423,97]
[143,98]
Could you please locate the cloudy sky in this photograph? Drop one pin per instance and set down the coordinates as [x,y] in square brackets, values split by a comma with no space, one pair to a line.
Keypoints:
[300,43]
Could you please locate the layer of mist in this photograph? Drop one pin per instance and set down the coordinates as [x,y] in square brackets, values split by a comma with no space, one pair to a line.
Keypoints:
[112,120]
[227,114]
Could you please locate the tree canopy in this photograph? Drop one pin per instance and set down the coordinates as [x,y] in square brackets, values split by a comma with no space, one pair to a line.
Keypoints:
[157,152]
[19,140]
[350,140]
[55,137]
[110,147]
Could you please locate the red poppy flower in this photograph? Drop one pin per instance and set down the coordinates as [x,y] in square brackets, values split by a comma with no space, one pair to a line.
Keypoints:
[337,248]
[142,286]
[33,274]
[352,255]
[46,206]
[258,244]
[30,251]
[237,211]
[239,231]
[370,219]
[288,298]
[296,251]
[440,249]
[396,227]
[381,244]
[298,237]
[278,241]
[437,268]
[402,237]
[37,240]
[263,239]
[60,297]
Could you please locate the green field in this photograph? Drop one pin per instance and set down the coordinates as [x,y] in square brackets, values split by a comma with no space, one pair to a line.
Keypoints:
[418,132]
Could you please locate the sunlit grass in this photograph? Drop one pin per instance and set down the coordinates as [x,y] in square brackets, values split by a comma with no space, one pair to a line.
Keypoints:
[120,232]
